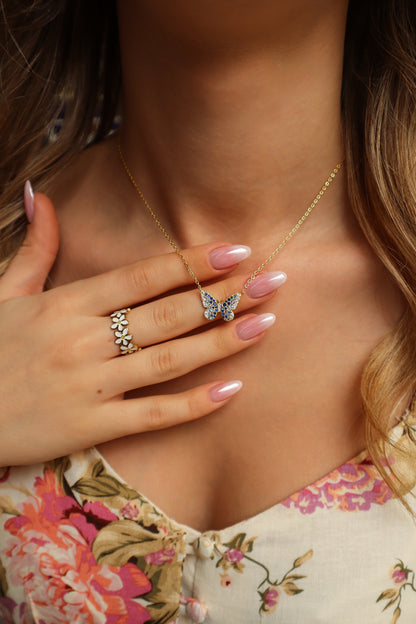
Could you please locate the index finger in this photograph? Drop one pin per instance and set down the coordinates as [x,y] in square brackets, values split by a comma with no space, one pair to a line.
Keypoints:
[142,280]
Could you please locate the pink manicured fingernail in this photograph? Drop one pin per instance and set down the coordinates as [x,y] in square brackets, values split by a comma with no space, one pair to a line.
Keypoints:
[29,201]
[254,325]
[224,257]
[224,390]
[266,283]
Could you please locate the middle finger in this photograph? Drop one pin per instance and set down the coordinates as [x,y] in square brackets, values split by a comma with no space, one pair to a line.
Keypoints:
[178,314]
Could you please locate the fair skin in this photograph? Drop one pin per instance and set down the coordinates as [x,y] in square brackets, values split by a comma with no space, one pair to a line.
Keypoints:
[232,123]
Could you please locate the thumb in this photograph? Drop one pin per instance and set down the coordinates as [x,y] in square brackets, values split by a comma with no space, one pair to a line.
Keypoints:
[30,267]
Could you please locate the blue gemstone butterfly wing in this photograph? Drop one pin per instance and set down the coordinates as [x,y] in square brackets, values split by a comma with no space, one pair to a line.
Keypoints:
[227,306]
[210,304]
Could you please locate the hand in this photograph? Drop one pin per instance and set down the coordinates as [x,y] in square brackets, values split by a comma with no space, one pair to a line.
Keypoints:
[62,376]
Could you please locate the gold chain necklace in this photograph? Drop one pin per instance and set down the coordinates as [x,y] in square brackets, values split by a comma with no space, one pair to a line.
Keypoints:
[212,306]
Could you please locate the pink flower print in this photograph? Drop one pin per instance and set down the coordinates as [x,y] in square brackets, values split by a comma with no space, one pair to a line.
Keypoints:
[49,555]
[11,612]
[399,574]
[306,501]
[234,555]
[225,580]
[270,600]
[130,510]
[272,597]
[7,607]
[166,555]
[351,487]
[403,578]
[93,517]
[399,577]
[234,551]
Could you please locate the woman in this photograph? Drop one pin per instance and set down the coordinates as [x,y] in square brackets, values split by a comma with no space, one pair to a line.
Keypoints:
[232,119]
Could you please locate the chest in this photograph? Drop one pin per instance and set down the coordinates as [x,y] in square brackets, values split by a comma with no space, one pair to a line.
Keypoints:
[299,413]
[297,417]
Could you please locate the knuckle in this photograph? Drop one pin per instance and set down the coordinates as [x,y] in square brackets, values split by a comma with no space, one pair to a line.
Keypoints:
[139,278]
[165,362]
[193,406]
[221,341]
[166,315]
[156,416]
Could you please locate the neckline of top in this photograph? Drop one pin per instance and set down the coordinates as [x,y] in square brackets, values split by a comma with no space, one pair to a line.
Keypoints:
[359,459]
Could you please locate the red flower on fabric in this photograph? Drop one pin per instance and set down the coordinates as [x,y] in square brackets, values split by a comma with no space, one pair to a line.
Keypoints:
[51,557]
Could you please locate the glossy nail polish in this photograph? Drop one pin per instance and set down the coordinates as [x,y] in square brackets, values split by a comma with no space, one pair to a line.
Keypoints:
[29,199]
[266,283]
[227,256]
[224,390]
[251,327]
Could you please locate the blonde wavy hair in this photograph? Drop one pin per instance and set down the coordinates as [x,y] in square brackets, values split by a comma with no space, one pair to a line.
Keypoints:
[60,59]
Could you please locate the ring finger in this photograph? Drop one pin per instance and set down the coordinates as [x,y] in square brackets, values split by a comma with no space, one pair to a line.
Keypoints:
[175,358]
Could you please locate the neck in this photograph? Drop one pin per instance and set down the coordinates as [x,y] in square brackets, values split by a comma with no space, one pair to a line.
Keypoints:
[232,114]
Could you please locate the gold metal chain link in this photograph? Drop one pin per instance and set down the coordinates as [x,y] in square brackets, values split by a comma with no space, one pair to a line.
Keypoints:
[274,253]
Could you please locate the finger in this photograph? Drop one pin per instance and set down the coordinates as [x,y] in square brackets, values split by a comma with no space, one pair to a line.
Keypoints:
[30,267]
[120,418]
[177,357]
[148,278]
[175,315]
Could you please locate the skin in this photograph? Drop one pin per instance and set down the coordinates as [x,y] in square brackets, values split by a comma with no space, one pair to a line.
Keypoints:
[232,124]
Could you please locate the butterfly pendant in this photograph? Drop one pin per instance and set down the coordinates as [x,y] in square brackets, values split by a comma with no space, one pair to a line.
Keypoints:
[225,308]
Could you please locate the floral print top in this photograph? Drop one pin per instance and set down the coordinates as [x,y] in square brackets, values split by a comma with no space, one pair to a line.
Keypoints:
[79,545]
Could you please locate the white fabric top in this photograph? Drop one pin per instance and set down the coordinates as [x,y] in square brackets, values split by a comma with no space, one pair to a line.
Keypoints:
[79,545]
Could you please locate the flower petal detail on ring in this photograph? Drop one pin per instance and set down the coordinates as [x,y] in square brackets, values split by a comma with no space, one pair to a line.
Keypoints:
[130,348]
[119,325]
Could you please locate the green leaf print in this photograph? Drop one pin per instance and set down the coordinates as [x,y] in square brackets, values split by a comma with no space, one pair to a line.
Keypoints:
[119,541]
[102,485]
